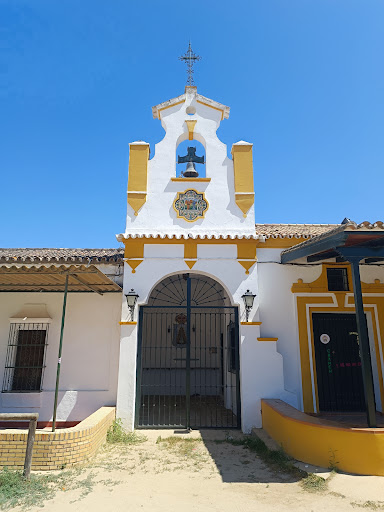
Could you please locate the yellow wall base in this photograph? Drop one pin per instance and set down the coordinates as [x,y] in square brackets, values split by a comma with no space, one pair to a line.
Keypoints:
[306,438]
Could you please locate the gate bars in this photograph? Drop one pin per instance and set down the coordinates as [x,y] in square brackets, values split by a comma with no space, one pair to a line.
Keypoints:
[188,366]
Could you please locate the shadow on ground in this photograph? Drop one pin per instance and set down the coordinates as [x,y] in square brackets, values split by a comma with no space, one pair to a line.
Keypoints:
[237,463]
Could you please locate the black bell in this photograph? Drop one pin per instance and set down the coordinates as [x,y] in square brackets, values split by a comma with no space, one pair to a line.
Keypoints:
[190,171]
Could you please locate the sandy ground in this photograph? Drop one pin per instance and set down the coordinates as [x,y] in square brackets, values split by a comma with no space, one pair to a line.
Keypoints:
[204,476]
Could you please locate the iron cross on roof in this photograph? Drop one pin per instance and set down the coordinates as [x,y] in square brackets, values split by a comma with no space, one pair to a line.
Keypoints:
[190,58]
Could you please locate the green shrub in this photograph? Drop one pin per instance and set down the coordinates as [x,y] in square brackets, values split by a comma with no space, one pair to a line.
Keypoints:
[118,435]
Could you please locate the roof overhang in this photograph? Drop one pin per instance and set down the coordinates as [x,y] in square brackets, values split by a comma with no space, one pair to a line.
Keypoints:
[81,278]
[157,109]
[122,237]
[343,243]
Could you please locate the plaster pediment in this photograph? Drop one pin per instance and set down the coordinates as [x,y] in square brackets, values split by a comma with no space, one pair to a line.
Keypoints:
[190,91]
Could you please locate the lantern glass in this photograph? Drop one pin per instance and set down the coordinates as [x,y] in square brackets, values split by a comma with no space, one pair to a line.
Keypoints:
[248,299]
[131,298]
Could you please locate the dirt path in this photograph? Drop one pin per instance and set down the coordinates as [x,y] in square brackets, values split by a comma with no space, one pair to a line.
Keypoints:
[203,476]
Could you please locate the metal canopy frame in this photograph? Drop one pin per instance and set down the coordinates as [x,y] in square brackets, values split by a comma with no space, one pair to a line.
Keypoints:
[66,279]
[51,278]
[352,246]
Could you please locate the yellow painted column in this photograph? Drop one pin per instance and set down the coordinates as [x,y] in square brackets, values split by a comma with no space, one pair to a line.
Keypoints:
[246,253]
[137,175]
[190,252]
[134,252]
[243,169]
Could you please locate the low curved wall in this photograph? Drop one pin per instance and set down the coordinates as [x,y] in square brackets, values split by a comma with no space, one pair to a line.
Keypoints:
[55,450]
[355,450]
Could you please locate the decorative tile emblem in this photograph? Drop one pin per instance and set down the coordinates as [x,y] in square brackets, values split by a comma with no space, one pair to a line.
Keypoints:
[190,205]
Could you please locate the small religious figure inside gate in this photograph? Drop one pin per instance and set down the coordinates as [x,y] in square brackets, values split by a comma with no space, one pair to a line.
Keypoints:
[179,334]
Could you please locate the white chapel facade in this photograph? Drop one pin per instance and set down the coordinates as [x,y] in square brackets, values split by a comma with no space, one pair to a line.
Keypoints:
[228,372]
[223,313]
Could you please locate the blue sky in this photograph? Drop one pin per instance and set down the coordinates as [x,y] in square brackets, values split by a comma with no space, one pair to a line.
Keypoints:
[304,80]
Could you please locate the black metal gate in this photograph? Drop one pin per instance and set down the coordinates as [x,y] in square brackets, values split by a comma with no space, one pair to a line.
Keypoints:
[188,357]
[338,364]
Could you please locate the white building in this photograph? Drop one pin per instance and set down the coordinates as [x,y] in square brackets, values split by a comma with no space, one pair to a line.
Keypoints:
[189,353]
[32,284]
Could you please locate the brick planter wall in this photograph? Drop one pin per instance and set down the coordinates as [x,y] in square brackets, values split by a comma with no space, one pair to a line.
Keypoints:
[54,450]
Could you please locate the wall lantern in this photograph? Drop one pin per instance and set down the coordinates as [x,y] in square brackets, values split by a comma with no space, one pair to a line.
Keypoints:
[131,301]
[248,299]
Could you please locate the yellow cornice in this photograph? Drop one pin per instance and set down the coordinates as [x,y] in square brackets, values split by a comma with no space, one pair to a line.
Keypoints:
[174,240]
[169,106]
[279,243]
[134,249]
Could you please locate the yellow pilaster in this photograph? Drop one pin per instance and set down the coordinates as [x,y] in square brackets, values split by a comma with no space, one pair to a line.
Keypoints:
[243,169]
[246,253]
[190,252]
[137,175]
[134,252]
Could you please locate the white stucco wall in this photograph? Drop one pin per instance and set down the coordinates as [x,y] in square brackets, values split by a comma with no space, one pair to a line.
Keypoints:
[261,365]
[88,378]
[223,216]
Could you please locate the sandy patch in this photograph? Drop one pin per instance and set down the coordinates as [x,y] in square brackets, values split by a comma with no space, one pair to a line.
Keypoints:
[202,475]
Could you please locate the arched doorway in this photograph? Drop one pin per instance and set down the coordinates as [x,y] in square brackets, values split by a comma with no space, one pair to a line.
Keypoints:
[188,356]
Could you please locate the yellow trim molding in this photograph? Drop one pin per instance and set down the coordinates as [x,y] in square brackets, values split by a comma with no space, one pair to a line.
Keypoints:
[243,169]
[246,253]
[191,126]
[128,323]
[246,264]
[137,175]
[191,179]
[134,249]
[168,106]
[280,243]
[267,339]
[250,323]
[133,263]
[190,249]
[214,108]
[315,298]
[311,440]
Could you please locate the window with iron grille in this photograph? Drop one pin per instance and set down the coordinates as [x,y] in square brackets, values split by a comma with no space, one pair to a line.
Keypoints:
[25,361]
[337,279]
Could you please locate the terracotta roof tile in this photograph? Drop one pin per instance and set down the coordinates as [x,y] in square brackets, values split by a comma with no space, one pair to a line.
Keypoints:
[72,255]
[306,231]
[293,230]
